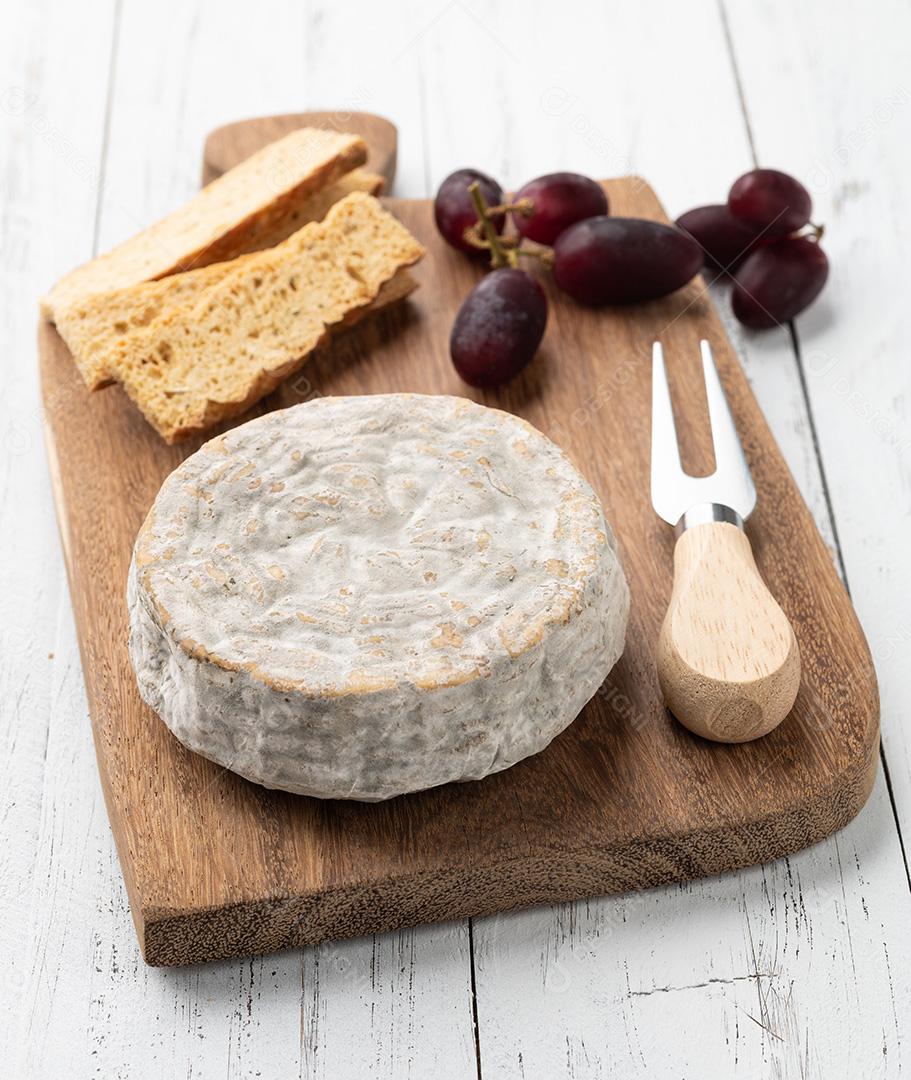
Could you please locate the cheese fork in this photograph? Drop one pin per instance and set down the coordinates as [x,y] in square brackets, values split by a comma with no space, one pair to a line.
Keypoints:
[728,661]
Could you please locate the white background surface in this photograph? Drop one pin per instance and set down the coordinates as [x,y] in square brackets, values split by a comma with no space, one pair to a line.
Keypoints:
[797,969]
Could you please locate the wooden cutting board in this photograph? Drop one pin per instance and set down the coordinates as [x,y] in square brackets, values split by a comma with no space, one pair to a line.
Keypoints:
[625,798]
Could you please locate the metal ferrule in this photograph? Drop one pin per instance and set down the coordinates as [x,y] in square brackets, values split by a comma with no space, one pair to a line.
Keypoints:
[703,513]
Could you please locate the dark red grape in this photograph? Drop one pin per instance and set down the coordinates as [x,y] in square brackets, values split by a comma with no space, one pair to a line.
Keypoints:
[725,240]
[778,281]
[770,201]
[560,199]
[498,328]
[454,211]
[607,260]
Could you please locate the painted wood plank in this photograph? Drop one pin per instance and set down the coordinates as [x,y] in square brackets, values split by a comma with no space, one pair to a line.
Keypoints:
[50,146]
[387,1007]
[88,1002]
[593,1004]
[848,133]
[755,975]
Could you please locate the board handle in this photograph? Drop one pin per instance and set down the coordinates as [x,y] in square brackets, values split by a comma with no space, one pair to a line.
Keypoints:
[728,661]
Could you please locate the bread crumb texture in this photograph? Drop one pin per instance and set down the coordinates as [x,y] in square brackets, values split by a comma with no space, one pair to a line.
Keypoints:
[91,327]
[197,348]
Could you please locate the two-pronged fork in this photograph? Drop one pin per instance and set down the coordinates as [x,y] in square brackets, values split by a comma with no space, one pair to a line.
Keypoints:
[728,661]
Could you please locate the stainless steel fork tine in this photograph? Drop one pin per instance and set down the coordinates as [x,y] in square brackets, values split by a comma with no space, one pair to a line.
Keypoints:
[675,491]
[664,431]
[732,474]
[667,475]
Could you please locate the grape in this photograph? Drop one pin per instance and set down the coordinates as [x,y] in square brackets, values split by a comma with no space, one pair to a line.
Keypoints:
[778,281]
[770,201]
[498,328]
[725,240]
[454,211]
[560,199]
[607,260]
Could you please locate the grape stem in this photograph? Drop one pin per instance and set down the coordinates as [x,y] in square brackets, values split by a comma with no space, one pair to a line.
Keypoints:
[811,232]
[504,250]
[525,207]
[498,254]
[544,255]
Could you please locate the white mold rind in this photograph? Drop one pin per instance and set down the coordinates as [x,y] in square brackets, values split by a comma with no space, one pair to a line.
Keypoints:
[428,593]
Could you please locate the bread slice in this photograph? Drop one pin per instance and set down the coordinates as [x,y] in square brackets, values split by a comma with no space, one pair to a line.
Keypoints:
[92,326]
[205,359]
[108,320]
[223,219]
[316,207]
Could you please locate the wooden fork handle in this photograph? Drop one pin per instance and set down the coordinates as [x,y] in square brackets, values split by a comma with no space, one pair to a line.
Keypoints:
[728,661]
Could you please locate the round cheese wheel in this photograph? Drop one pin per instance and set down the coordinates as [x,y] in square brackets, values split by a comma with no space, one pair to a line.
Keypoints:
[363,596]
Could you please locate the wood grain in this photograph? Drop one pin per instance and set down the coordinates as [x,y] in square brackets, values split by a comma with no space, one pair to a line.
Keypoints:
[228,145]
[625,798]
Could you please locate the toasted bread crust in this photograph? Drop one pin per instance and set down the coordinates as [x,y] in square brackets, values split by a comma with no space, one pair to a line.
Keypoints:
[251,200]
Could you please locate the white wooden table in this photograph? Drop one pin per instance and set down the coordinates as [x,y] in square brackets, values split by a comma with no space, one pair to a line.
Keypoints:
[797,969]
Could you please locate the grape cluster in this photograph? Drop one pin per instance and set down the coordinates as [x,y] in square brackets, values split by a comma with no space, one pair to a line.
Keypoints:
[755,239]
[597,259]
